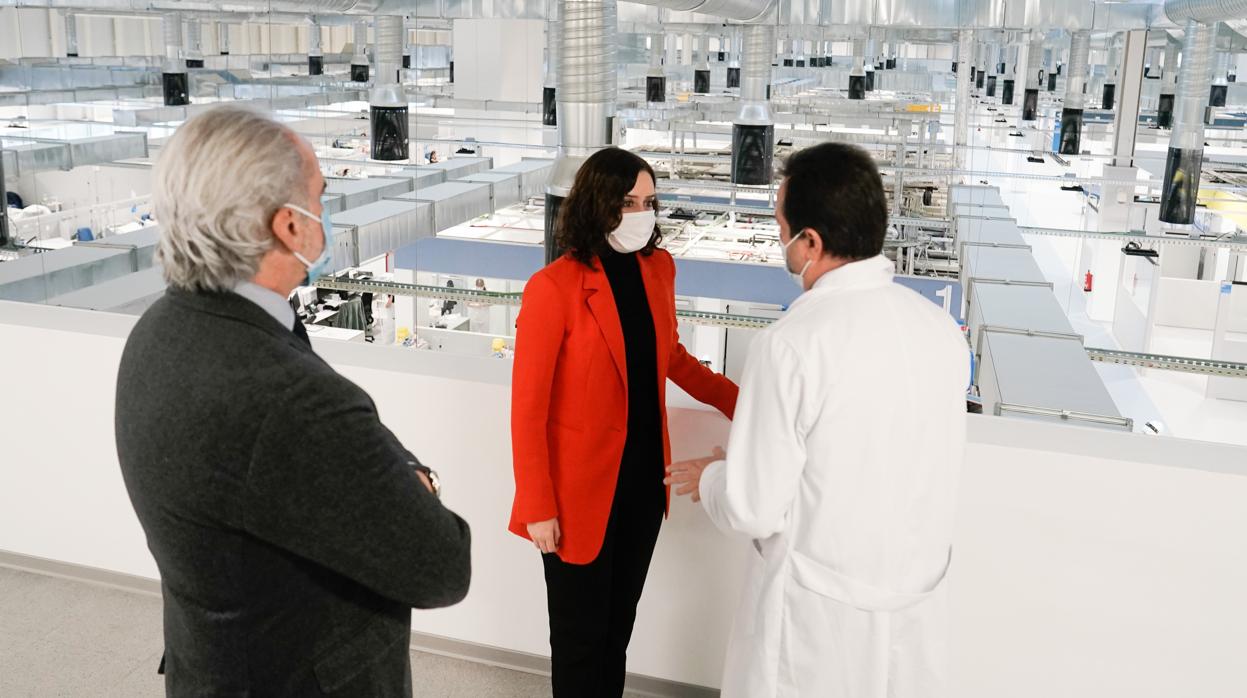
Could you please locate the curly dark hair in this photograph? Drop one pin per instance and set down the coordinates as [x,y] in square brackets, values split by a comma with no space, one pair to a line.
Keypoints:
[594,206]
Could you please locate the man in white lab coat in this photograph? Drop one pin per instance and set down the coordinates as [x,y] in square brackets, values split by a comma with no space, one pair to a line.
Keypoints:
[843,460]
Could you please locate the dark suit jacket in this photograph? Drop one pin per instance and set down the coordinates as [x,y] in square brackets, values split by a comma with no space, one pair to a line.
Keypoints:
[292,535]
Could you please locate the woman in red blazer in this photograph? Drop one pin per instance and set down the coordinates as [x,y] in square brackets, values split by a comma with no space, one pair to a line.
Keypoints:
[596,343]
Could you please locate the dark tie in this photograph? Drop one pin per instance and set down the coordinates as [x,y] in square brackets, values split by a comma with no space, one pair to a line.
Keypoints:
[301,332]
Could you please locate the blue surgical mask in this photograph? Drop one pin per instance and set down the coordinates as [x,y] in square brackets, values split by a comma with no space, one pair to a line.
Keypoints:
[318,268]
[798,278]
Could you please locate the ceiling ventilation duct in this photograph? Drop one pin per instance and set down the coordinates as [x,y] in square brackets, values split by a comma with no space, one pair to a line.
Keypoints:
[549,90]
[1075,97]
[753,130]
[388,102]
[1168,86]
[194,41]
[359,60]
[71,35]
[1034,77]
[586,98]
[175,84]
[1186,144]
[315,56]
[222,38]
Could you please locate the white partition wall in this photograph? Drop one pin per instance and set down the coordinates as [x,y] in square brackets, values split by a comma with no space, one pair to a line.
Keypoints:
[1087,563]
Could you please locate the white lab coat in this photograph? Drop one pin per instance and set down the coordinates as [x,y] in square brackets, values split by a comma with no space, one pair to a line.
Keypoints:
[842,465]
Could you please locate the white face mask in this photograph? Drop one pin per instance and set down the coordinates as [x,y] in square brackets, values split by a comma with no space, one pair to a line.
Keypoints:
[798,278]
[634,232]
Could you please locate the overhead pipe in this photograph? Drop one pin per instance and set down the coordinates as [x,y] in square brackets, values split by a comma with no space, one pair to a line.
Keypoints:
[753,130]
[1168,87]
[175,84]
[387,106]
[733,65]
[1075,97]
[1180,187]
[222,38]
[359,61]
[71,35]
[194,43]
[549,91]
[1034,77]
[857,76]
[586,98]
[315,56]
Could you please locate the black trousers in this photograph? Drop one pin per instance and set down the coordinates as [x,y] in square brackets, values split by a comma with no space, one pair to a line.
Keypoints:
[593,606]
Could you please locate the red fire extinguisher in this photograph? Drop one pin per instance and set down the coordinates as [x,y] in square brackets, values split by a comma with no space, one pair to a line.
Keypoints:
[1086,282]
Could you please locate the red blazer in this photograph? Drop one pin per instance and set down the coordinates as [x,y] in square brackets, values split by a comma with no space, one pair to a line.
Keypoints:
[569,398]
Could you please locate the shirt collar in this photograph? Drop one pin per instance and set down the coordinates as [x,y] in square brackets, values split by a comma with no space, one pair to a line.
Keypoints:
[269,301]
[865,273]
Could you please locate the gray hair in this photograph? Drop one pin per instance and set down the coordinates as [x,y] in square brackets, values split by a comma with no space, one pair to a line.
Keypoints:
[217,185]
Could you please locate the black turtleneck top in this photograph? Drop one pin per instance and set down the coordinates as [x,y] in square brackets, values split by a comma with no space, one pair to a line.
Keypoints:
[641,469]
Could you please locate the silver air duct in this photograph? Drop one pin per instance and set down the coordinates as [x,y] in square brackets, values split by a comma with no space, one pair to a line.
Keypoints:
[71,35]
[388,103]
[961,124]
[175,84]
[549,91]
[315,57]
[586,97]
[1186,144]
[1168,87]
[1011,68]
[980,72]
[194,43]
[857,76]
[359,61]
[1034,77]
[1204,11]
[1110,75]
[656,79]
[870,65]
[739,10]
[1220,85]
[753,131]
[408,49]
[701,74]
[222,38]
[733,65]
[995,57]
[1075,99]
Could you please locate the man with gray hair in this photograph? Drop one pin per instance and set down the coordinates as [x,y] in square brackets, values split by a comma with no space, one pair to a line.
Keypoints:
[292,530]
